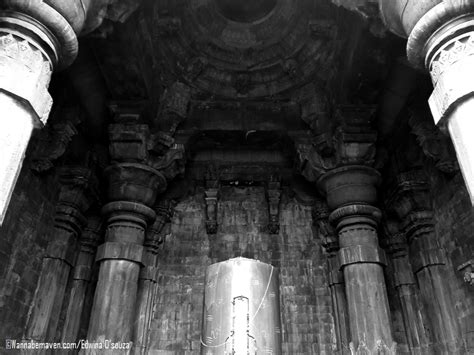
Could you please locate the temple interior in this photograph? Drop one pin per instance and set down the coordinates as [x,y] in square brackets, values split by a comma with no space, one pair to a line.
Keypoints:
[237,176]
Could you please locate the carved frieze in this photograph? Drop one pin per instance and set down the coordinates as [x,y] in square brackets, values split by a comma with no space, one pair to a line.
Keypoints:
[273,193]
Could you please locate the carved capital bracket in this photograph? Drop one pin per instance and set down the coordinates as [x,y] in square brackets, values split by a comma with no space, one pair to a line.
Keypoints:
[53,141]
[79,191]
[467,270]
[350,142]
[410,201]
[273,194]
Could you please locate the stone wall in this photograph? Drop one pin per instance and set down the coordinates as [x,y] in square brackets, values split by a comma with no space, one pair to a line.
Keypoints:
[23,240]
[308,326]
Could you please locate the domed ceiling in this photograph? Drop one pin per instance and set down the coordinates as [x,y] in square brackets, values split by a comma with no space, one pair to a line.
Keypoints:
[241,50]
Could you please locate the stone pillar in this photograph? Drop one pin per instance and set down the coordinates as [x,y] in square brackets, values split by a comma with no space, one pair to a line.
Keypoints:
[413,312]
[348,181]
[335,277]
[148,276]
[133,186]
[35,38]
[411,201]
[76,195]
[441,40]
[81,278]
[351,194]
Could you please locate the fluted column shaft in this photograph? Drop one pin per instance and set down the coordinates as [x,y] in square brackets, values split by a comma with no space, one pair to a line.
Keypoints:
[81,279]
[148,278]
[339,304]
[77,193]
[413,312]
[335,276]
[428,261]
[120,260]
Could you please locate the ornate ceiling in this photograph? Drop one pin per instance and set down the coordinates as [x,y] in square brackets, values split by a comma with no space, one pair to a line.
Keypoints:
[244,50]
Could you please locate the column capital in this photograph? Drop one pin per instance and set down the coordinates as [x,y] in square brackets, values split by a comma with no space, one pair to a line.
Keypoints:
[353,142]
[409,199]
[79,191]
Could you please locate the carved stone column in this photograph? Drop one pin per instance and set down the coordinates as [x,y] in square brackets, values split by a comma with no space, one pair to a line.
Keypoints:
[335,277]
[441,40]
[81,278]
[349,183]
[412,203]
[148,276]
[414,316]
[77,193]
[132,190]
[34,40]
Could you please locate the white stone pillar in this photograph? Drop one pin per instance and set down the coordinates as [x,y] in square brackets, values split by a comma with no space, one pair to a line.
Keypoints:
[25,73]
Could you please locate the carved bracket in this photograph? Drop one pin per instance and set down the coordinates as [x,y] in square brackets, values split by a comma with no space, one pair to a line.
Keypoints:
[273,192]
[212,195]
[326,231]
[155,237]
[53,141]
